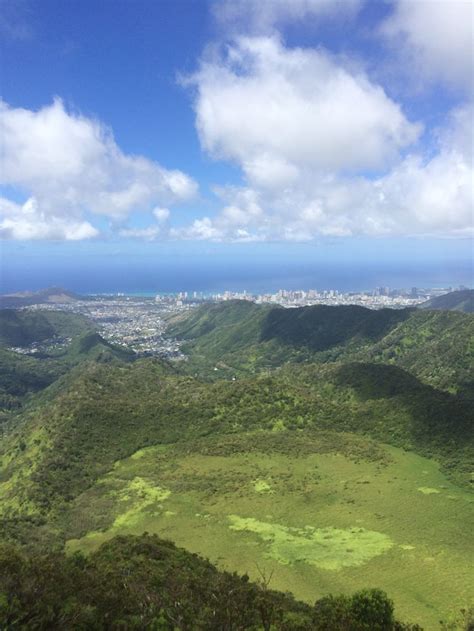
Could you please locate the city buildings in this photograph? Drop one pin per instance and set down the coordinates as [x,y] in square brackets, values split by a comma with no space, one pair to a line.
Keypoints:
[139,323]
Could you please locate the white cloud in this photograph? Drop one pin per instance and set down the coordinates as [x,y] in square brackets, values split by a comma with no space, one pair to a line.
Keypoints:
[274,110]
[241,219]
[159,230]
[263,15]
[417,196]
[435,37]
[27,222]
[151,233]
[70,164]
[161,214]
[305,130]
[200,229]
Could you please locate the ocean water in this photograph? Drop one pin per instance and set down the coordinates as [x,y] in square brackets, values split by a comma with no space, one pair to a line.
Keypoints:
[352,264]
[255,278]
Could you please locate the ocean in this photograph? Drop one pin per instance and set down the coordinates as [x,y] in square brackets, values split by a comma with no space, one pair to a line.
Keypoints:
[131,278]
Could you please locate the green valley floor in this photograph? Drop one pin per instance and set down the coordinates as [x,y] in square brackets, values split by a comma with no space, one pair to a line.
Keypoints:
[287,506]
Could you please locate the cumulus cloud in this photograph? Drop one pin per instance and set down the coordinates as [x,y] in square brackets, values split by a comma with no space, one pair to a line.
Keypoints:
[323,149]
[305,131]
[27,222]
[200,229]
[435,37]
[418,195]
[158,230]
[304,127]
[274,110]
[161,214]
[241,219]
[264,15]
[69,164]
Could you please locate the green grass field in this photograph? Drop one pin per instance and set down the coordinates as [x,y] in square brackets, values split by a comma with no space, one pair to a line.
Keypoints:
[314,520]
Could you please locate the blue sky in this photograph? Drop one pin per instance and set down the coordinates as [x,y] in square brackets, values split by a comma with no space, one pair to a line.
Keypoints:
[269,132]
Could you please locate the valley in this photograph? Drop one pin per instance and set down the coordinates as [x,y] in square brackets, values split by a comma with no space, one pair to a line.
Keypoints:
[308,448]
[312,516]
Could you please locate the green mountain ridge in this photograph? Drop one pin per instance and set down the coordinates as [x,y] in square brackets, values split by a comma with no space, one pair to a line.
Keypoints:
[56,465]
[462,300]
[94,346]
[322,327]
[22,328]
[265,337]
[23,375]
[43,296]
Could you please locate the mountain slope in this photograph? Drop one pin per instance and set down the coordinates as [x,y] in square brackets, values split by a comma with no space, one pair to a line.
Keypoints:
[22,376]
[323,327]
[231,326]
[92,346]
[436,346]
[326,472]
[50,295]
[236,338]
[105,412]
[147,583]
[462,300]
[22,328]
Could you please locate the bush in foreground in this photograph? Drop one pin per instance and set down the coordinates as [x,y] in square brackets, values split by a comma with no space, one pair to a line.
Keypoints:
[147,583]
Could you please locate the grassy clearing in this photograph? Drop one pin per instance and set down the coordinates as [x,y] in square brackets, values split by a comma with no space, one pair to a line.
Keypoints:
[326,523]
[139,496]
[427,490]
[326,548]
[262,486]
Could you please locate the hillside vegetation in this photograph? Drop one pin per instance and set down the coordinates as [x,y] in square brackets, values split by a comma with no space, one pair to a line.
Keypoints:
[436,346]
[106,412]
[125,448]
[462,300]
[146,583]
[22,328]
[340,458]
[22,375]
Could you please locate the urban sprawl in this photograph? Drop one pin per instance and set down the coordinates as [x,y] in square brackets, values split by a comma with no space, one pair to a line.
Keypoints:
[139,323]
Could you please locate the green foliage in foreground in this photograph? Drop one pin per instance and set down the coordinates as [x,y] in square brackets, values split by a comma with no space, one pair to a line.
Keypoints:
[147,583]
[61,450]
